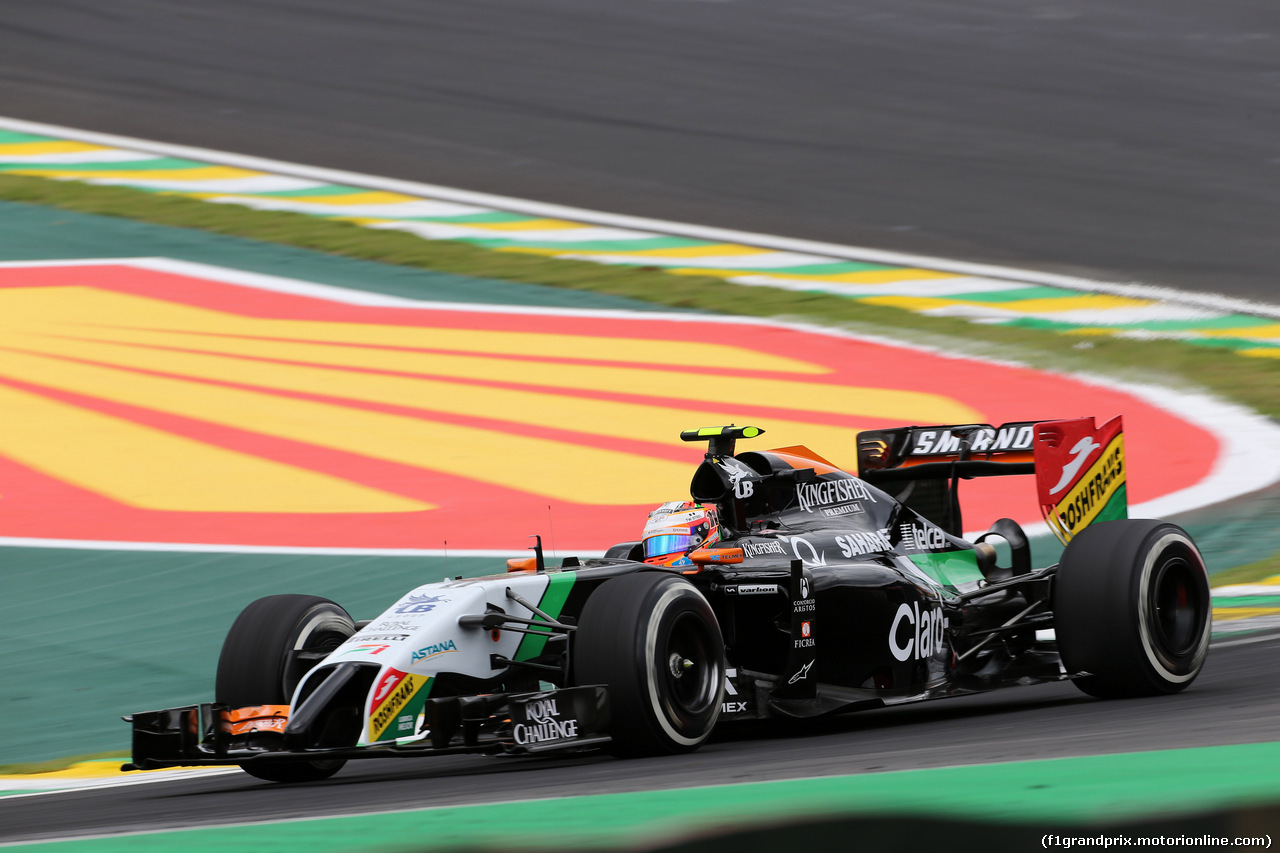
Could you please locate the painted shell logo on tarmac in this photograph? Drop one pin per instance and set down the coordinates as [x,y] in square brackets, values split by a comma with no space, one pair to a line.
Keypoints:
[165,403]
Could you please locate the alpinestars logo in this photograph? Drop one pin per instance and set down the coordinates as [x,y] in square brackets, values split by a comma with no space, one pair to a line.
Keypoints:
[801,674]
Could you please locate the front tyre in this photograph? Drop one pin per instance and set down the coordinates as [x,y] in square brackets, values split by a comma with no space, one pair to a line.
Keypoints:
[270,647]
[652,639]
[1132,609]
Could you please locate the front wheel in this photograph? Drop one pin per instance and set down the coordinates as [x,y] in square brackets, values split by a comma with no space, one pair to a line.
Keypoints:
[1132,610]
[652,639]
[271,645]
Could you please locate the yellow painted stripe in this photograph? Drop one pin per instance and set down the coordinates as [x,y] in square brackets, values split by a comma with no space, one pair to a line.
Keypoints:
[864,277]
[537,250]
[372,197]
[1025,306]
[1233,614]
[710,250]
[868,276]
[1260,352]
[25,149]
[1272,331]
[634,421]
[714,273]
[532,465]
[200,173]
[686,384]
[1091,302]
[26,308]
[144,467]
[49,319]
[80,770]
[529,225]
[98,769]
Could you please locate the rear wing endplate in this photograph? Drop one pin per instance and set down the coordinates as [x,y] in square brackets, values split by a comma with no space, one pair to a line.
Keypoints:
[1079,467]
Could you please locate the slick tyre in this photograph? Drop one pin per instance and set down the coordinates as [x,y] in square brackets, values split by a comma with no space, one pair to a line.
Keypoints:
[1132,610]
[271,645]
[652,639]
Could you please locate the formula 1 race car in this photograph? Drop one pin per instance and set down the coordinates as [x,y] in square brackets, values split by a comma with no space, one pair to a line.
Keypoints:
[825,592]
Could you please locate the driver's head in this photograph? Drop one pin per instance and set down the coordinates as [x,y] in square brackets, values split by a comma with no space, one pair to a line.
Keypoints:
[676,528]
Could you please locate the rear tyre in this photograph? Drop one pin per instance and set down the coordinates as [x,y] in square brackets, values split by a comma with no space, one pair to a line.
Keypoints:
[653,641]
[270,647]
[1132,610]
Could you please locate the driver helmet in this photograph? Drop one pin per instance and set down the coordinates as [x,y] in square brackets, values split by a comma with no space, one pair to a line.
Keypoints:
[676,528]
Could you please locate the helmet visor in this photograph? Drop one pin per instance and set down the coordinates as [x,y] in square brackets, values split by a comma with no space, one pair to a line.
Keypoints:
[667,543]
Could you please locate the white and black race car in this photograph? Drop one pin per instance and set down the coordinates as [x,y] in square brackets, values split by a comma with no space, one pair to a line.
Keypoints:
[827,592]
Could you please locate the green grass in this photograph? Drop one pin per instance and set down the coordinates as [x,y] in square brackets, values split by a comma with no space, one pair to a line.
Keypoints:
[1251,573]
[1253,382]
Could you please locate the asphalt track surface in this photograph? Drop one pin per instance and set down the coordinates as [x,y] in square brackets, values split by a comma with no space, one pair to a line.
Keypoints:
[1236,700]
[1122,141]
[1129,141]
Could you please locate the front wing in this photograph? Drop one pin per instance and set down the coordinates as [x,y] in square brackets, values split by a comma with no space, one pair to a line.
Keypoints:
[516,723]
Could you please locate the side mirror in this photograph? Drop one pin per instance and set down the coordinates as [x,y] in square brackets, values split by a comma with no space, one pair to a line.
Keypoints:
[716,556]
[522,564]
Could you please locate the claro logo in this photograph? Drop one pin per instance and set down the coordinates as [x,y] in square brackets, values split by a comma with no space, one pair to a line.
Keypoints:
[924,635]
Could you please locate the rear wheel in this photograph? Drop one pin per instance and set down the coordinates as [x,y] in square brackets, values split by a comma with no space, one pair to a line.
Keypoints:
[270,647]
[1132,609]
[653,641]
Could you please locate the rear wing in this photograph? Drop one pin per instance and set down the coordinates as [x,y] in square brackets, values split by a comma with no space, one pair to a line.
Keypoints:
[1079,467]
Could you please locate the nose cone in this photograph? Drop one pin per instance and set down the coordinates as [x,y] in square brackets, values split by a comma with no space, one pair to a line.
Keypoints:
[419,633]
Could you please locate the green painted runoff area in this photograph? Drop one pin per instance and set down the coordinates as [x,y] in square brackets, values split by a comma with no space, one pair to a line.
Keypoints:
[93,635]
[1049,793]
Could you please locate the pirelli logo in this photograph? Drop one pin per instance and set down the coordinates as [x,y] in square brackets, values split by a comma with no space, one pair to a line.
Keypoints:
[387,708]
[1088,498]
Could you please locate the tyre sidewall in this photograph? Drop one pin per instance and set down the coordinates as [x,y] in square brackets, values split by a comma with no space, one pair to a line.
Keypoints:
[1104,609]
[623,634]
[684,730]
[257,667]
[1174,670]
[325,618]
[257,664]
